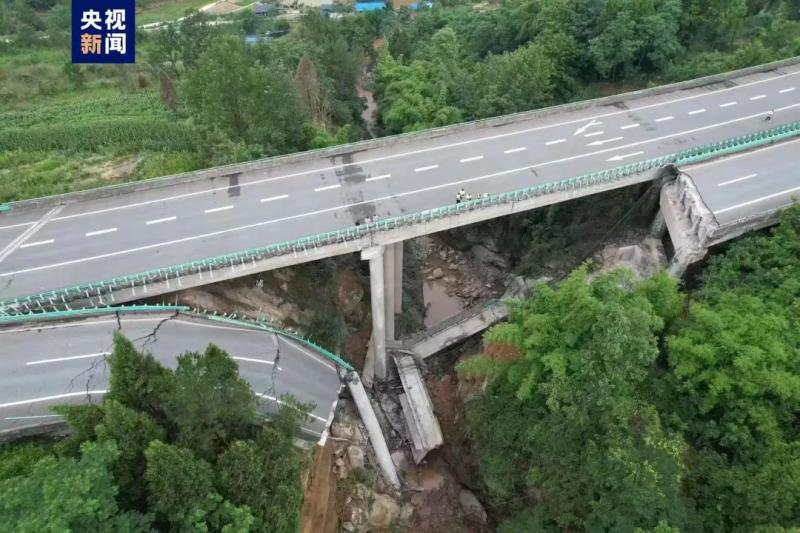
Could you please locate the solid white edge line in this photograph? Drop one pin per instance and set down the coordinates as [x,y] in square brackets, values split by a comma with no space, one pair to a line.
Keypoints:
[397,195]
[513,150]
[50,398]
[468,159]
[101,232]
[216,209]
[757,200]
[279,402]
[724,183]
[32,416]
[381,177]
[78,324]
[328,187]
[273,198]
[435,148]
[160,220]
[251,360]
[423,169]
[70,358]
[37,243]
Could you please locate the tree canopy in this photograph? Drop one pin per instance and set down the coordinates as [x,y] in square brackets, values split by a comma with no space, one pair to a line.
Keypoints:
[174,450]
[611,405]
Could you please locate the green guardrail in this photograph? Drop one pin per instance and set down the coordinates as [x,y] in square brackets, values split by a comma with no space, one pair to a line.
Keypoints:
[88,291]
[4,208]
[230,319]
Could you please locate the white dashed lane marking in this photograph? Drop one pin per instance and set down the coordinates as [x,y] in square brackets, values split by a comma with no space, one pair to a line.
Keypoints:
[273,198]
[557,141]
[514,150]
[381,177]
[217,209]
[101,232]
[160,220]
[37,243]
[476,158]
[737,180]
[423,169]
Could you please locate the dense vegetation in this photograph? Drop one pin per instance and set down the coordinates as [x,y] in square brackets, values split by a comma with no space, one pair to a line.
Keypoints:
[172,450]
[199,96]
[614,404]
[460,63]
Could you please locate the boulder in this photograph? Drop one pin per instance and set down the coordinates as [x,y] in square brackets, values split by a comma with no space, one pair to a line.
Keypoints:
[489,258]
[355,455]
[472,507]
[406,512]
[383,512]
[437,273]
[342,431]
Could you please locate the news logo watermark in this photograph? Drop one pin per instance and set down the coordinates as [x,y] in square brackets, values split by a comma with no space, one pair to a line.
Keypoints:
[103,31]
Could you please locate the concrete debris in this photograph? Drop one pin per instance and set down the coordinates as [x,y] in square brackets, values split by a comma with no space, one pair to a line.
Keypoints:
[383,512]
[472,506]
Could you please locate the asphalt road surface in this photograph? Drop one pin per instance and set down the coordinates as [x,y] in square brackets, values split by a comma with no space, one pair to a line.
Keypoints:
[99,239]
[50,363]
[750,183]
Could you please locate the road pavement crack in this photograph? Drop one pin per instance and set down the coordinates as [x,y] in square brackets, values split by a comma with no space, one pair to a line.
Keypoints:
[153,336]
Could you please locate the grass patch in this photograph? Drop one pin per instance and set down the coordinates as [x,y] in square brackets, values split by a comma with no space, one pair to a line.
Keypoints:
[166,10]
[33,173]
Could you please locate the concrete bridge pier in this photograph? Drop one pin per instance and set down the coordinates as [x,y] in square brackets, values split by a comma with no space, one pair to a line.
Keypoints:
[386,296]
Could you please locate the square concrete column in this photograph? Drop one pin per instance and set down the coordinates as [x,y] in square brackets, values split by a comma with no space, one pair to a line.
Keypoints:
[398,277]
[378,299]
[389,288]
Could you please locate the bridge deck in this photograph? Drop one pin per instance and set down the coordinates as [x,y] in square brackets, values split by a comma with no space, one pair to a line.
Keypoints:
[166,223]
[54,362]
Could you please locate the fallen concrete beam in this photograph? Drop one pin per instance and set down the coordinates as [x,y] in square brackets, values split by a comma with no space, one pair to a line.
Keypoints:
[426,435]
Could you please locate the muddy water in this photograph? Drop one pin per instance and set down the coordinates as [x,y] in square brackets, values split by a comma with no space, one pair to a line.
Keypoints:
[438,303]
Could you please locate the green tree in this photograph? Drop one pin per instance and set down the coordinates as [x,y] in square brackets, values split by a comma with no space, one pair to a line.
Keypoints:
[264,476]
[66,494]
[211,405]
[567,423]
[82,420]
[137,380]
[230,91]
[636,37]
[734,387]
[517,81]
[133,432]
[181,492]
